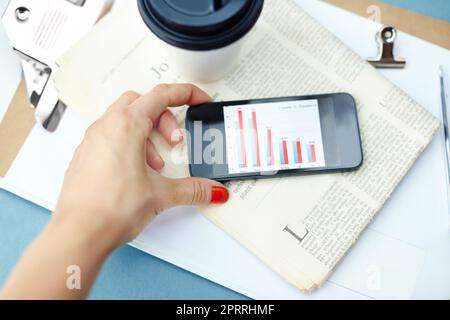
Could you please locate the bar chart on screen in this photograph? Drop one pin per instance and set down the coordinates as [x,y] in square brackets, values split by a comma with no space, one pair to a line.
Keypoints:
[273,136]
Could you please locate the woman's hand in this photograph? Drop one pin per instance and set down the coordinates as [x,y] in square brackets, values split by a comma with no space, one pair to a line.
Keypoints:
[112,190]
[113,180]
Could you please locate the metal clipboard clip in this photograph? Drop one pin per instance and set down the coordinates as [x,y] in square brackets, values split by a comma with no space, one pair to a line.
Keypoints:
[386,58]
[40,32]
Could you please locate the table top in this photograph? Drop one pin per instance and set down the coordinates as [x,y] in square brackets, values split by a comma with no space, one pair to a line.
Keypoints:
[130,273]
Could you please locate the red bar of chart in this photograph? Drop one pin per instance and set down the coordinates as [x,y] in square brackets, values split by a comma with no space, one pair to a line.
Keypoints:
[285,152]
[256,139]
[271,156]
[243,154]
[298,153]
[313,153]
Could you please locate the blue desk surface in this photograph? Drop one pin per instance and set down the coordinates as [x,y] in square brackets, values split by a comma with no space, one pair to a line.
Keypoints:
[129,273]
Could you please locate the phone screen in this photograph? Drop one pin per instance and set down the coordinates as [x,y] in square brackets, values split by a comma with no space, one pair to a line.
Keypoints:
[275,136]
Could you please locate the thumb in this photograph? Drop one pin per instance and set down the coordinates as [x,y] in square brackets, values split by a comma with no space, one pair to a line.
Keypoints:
[197,191]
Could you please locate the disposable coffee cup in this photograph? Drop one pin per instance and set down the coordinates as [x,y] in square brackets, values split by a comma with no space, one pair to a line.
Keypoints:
[202,38]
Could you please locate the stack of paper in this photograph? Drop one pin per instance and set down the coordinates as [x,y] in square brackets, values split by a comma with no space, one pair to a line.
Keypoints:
[300,227]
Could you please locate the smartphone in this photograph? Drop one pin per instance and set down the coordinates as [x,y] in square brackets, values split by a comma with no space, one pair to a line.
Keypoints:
[266,138]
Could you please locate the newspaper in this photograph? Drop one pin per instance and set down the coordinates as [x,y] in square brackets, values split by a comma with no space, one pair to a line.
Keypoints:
[301,226]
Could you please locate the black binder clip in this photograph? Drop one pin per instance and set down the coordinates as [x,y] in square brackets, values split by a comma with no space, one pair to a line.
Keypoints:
[386,58]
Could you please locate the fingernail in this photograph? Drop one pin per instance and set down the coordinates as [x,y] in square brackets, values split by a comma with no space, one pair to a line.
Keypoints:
[177,137]
[219,195]
[180,135]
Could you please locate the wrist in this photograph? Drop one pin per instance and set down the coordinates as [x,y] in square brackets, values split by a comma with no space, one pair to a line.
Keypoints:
[85,235]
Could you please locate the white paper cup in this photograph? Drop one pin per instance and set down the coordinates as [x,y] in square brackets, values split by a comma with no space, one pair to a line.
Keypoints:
[204,66]
[202,39]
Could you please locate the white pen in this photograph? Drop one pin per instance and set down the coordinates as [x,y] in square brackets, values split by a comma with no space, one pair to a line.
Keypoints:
[445,126]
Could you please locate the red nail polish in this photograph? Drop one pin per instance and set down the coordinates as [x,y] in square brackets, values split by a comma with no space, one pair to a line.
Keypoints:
[219,195]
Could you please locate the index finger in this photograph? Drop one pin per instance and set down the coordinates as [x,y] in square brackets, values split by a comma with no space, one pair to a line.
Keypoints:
[155,102]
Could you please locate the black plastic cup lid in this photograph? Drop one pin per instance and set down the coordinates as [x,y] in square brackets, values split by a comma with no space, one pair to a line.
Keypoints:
[200,24]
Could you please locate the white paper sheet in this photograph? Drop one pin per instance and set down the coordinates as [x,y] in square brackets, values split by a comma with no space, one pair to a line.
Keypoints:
[412,230]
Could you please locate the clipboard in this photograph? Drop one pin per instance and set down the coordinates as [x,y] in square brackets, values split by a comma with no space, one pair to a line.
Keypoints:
[192,260]
[427,28]
[15,127]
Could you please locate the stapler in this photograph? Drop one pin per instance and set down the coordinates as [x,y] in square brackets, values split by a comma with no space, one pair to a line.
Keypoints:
[40,32]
